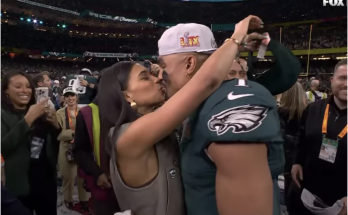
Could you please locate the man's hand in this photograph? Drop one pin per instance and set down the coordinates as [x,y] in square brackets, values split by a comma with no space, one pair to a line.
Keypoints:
[297,172]
[267,40]
[83,83]
[344,209]
[252,42]
[248,23]
[155,69]
[103,181]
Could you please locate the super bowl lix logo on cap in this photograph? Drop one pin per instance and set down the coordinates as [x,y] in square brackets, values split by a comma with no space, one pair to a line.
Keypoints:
[189,41]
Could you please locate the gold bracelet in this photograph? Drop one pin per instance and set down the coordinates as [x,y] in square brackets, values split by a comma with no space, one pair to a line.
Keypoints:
[234,40]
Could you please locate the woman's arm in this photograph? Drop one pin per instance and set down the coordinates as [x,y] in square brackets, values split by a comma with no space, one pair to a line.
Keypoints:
[151,128]
[65,134]
[11,137]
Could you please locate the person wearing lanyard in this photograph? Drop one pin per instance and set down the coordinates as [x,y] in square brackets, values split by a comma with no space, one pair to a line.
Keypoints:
[67,167]
[320,162]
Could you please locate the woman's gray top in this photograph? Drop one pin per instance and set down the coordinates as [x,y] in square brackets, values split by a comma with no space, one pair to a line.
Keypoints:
[163,195]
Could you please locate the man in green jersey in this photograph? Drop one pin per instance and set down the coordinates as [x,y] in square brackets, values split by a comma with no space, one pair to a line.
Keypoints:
[231,149]
[85,84]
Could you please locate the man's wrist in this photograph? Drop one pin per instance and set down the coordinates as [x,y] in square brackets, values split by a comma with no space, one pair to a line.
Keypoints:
[90,85]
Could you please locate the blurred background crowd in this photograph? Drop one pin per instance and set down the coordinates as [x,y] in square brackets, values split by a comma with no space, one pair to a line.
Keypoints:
[53,35]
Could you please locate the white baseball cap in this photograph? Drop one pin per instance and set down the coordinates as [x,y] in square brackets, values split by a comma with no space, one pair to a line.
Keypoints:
[86,70]
[191,37]
[69,90]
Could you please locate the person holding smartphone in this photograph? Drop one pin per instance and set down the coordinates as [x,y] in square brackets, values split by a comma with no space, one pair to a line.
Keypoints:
[29,145]
[87,86]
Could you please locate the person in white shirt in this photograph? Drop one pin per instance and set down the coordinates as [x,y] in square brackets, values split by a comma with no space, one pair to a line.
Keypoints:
[315,95]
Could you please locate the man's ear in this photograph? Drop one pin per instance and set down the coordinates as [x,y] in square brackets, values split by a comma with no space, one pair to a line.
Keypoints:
[127,97]
[191,65]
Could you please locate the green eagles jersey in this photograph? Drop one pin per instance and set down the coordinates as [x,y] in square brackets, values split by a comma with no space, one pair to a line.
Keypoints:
[86,94]
[238,112]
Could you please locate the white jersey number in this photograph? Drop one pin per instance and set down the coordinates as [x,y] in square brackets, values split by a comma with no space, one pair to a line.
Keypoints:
[76,85]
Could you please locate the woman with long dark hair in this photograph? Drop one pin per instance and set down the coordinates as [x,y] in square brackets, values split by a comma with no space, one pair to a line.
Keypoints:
[142,169]
[114,109]
[29,145]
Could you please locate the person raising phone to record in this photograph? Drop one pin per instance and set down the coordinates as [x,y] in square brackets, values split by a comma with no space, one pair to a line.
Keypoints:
[29,144]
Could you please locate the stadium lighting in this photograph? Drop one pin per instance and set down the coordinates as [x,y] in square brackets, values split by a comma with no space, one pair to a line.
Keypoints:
[63,26]
[58,25]
[22,19]
[40,22]
[34,21]
[28,20]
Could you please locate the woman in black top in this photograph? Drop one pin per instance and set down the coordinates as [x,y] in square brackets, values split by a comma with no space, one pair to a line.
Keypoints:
[29,145]
[292,105]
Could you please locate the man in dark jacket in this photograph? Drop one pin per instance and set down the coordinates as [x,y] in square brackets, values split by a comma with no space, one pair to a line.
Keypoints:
[320,163]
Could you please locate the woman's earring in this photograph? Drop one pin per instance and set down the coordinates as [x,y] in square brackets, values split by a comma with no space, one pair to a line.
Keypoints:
[7,95]
[133,104]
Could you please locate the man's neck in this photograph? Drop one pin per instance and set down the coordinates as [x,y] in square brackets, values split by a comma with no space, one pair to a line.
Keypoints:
[340,104]
[314,89]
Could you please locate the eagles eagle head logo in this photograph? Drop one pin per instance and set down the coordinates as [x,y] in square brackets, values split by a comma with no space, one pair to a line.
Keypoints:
[241,119]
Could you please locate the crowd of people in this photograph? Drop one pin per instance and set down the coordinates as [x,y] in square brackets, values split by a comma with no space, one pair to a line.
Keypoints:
[321,69]
[25,36]
[170,136]
[99,35]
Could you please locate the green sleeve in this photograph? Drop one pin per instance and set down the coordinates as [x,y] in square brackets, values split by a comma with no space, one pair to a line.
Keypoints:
[12,136]
[91,80]
[283,75]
